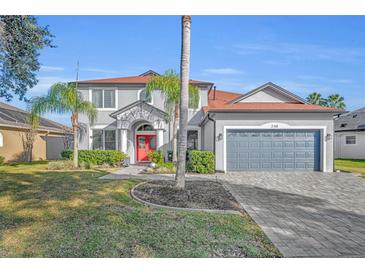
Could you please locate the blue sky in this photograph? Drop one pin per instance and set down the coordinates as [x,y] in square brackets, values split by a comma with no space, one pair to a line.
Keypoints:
[300,53]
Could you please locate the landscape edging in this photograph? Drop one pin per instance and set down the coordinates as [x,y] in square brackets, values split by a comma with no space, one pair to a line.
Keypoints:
[220,211]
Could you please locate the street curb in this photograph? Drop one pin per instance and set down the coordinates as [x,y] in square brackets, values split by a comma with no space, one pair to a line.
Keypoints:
[219,211]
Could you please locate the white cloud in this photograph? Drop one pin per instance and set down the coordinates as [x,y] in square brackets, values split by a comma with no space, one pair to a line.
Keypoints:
[44,83]
[302,51]
[51,68]
[98,70]
[223,71]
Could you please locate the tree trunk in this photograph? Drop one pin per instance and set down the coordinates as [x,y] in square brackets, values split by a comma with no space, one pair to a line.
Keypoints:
[184,101]
[75,129]
[174,140]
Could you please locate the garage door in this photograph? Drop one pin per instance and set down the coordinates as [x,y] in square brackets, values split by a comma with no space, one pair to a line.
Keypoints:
[273,150]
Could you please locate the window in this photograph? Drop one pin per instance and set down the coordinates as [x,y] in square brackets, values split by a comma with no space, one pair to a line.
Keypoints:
[350,140]
[103,98]
[104,139]
[145,96]
[109,139]
[145,128]
[192,139]
[97,139]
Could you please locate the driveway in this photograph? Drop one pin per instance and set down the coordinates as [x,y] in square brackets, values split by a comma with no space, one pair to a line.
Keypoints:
[305,214]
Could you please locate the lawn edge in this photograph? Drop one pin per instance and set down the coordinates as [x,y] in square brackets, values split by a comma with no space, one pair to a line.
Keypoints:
[219,211]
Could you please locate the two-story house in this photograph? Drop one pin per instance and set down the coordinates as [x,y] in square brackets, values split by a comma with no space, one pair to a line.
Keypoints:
[268,128]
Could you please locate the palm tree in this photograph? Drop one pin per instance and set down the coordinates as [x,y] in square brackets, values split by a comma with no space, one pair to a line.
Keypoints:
[184,101]
[315,98]
[64,98]
[336,101]
[169,85]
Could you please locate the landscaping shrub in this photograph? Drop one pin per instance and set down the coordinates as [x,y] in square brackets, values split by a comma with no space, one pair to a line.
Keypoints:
[156,156]
[98,157]
[60,165]
[201,161]
[2,160]
[67,154]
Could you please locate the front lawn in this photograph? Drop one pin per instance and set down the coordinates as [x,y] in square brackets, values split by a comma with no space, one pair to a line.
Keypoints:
[47,213]
[357,166]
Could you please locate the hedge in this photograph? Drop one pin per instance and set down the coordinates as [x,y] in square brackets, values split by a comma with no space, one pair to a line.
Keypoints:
[97,157]
[200,161]
[156,156]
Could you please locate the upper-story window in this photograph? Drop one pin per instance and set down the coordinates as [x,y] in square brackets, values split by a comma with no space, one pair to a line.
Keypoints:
[145,96]
[104,98]
[192,105]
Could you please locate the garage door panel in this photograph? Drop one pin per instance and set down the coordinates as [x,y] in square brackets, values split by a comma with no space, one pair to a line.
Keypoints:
[273,149]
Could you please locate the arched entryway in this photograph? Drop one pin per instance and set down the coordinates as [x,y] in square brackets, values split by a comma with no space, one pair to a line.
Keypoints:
[146,141]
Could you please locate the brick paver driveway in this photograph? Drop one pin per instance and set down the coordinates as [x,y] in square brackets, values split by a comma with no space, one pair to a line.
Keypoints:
[305,214]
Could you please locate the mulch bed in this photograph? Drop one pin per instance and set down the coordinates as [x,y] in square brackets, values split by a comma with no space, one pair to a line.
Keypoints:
[197,194]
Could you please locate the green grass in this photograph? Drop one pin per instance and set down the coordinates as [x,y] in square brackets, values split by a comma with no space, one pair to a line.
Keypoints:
[74,214]
[356,166]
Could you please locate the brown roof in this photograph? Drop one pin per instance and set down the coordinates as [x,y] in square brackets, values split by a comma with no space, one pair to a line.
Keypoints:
[222,95]
[219,105]
[14,117]
[141,79]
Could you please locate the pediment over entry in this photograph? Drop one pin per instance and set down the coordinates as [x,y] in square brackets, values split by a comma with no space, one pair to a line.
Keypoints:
[140,111]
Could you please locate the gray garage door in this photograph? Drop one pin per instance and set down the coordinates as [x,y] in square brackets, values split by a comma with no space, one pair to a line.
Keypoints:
[273,150]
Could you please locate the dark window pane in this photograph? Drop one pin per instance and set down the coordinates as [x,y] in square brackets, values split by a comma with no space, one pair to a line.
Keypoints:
[97,141]
[192,139]
[350,140]
[152,142]
[109,98]
[110,139]
[97,98]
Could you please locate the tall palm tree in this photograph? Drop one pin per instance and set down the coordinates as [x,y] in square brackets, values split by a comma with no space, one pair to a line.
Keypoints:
[169,85]
[64,98]
[316,98]
[184,101]
[336,101]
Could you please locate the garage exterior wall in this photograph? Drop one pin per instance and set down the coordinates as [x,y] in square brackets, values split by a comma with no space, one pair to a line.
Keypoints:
[208,136]
[322,121]
[353,151]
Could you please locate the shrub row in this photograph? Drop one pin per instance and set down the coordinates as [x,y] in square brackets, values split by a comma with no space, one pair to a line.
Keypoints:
[97,157]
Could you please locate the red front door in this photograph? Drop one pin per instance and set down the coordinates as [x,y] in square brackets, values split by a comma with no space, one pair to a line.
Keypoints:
[145,143]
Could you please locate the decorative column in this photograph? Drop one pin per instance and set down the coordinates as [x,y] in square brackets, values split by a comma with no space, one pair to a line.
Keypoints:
[159,138]
[124,139]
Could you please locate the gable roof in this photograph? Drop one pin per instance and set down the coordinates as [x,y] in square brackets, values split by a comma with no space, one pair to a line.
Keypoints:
[138,79]
[137,103]
[351,121]
[14,117]
[274,87]
[230,102]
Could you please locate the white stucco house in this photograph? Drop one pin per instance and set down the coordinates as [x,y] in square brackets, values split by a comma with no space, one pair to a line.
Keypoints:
[350,135]
[268,128]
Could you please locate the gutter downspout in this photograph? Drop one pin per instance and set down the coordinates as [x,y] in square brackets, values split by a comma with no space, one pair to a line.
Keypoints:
[211,119]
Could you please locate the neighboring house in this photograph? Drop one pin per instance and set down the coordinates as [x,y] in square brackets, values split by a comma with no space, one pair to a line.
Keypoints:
[51,139]
[268,128]
[350,135]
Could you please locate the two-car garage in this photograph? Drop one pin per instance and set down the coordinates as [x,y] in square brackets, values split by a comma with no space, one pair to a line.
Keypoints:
[273,149]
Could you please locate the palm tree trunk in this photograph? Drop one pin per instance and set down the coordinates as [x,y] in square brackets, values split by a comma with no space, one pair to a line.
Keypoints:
[174,140]
[75,128]
[184,98]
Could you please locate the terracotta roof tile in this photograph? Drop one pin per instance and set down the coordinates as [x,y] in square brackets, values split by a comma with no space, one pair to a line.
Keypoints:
[223,95]
[218,105]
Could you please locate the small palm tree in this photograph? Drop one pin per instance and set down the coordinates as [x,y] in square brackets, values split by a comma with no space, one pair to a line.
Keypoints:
[315,98]
[64,98]
[184,101]
[169,85]
[336,101]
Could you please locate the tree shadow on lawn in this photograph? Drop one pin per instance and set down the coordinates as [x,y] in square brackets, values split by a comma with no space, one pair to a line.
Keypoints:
[74,214]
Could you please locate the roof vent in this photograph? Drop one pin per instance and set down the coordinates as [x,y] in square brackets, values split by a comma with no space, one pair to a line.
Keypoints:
[343,125]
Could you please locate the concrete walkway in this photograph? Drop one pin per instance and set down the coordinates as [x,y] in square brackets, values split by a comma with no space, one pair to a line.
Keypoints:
[304,214]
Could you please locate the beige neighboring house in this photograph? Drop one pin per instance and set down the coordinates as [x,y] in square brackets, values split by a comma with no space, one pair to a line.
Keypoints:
[350,135]
[51,139]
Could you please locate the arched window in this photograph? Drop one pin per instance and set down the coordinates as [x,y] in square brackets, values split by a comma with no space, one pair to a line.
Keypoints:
[145,96]
[145,128]
[1,140]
